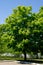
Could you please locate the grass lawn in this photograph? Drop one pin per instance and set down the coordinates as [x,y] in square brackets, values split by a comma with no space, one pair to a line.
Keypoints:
[9,58]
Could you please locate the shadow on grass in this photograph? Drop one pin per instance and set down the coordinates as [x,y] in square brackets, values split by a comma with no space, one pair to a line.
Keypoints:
[23,62]
[29,61]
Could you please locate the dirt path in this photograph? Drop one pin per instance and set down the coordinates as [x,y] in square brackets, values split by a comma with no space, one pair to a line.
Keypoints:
[16,63]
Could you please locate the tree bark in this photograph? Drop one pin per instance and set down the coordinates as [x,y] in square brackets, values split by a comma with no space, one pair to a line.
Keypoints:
[25,56]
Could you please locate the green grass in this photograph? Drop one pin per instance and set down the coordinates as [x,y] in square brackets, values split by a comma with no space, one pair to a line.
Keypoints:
[10,58]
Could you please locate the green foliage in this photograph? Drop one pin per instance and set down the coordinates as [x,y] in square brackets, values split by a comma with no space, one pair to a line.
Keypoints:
[20,22]
[23,31]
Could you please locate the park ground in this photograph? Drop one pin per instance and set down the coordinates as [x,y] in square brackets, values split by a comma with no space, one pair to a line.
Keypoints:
[17,63]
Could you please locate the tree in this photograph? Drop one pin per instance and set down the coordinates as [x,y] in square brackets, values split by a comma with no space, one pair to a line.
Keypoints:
[36,36]
[1,33]
[20,21]
[5,38]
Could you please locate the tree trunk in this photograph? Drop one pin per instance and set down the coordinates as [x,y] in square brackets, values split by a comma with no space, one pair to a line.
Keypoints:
[25,56]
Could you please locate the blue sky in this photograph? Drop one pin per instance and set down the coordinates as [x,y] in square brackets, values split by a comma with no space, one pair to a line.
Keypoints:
[6,6]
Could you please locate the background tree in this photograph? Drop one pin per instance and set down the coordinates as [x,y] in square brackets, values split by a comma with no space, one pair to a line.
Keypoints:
[5,38]
[36,36]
